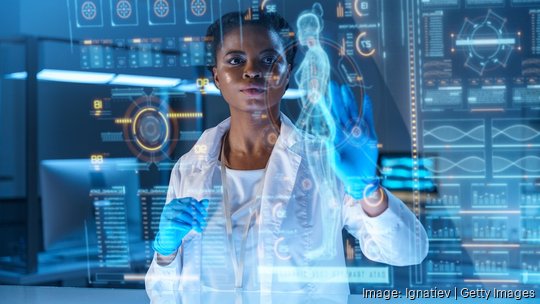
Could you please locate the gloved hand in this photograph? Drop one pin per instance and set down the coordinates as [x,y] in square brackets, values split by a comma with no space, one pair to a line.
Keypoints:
[355,142]
[178,218]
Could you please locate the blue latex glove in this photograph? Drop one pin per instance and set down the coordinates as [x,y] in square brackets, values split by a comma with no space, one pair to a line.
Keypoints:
[355,154]
[178,218]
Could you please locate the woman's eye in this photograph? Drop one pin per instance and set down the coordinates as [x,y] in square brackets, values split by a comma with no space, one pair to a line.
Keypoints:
[269,60]
[235,61]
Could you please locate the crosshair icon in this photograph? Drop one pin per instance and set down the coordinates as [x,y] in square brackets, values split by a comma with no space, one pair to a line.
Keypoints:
[88,10]
[161,8]
[123,9]
[198,7]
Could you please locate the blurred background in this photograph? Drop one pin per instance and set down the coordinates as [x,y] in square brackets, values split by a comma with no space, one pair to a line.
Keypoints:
[99,99]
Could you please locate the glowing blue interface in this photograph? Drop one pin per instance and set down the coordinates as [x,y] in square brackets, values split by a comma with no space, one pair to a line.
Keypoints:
[455,86]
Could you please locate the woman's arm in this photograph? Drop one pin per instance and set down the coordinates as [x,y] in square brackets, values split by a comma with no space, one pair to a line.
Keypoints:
[376,204]
[395,236]
[165,260]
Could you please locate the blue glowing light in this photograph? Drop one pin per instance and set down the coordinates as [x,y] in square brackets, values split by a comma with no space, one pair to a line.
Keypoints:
[74,76]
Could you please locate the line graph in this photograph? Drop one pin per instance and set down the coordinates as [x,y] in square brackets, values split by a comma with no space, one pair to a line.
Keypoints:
[453,134]
[459,164]
[515,133]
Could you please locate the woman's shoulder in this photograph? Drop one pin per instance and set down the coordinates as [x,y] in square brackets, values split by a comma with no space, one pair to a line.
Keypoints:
[208,144]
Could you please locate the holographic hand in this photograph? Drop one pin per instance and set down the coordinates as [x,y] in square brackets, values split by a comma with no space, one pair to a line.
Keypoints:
[355,156]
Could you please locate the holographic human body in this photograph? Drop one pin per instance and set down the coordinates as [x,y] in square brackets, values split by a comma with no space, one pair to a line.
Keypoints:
[312,77]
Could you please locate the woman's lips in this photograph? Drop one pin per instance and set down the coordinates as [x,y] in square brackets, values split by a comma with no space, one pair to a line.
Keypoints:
[253,91]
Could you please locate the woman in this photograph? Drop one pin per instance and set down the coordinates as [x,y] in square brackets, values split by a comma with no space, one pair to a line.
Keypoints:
[246,212]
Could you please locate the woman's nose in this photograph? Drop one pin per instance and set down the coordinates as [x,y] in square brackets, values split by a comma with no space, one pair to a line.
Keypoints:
[252,74]
[252,71]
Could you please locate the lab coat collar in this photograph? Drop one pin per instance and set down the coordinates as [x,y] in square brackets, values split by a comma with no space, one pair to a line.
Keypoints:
[206,151]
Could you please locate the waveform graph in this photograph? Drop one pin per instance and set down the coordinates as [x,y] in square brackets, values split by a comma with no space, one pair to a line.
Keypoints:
[453,133]
[521,164]
[458,165]
[520,133]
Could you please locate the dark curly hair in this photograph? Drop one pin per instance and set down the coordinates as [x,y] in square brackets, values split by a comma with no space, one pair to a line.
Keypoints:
[272,21]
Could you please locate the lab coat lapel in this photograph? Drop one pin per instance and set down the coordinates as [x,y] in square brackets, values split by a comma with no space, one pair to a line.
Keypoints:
[201,168]
[279,183]
[280,178]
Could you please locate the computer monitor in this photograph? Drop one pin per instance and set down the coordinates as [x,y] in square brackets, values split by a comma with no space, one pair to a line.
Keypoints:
[69,188]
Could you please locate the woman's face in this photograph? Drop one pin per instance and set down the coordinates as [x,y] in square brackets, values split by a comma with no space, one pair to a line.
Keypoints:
[251,70]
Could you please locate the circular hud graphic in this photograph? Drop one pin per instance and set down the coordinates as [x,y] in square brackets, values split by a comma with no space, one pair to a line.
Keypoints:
[123,9]
[486,42]
[198,7]
[161,8]
[150,129]
[151,135]
[89,10]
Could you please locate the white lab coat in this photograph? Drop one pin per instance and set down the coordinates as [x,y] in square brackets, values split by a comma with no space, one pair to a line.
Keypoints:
[290,218]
